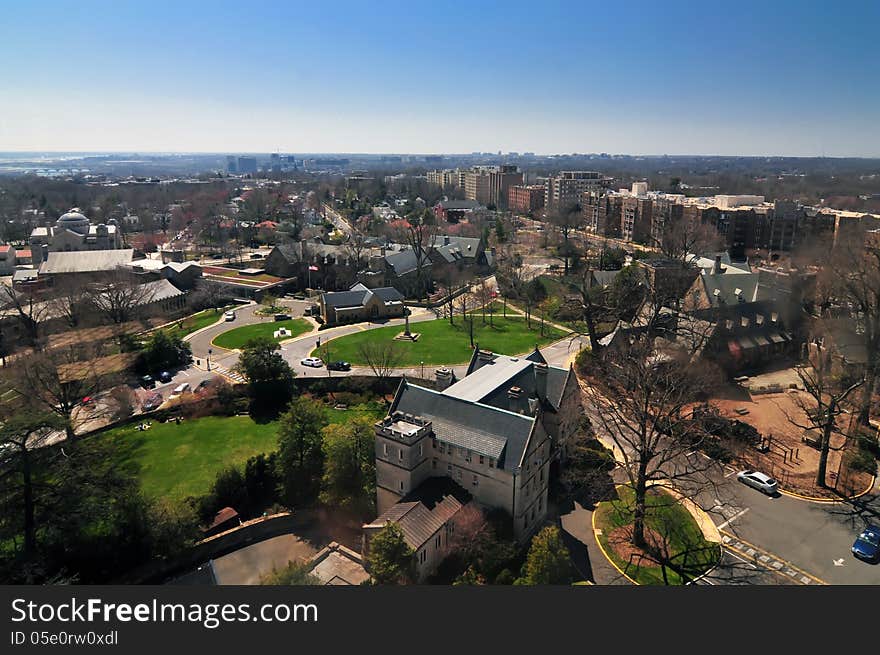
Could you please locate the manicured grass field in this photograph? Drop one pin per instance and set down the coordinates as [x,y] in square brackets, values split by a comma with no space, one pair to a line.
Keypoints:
[175,461]
[689,554]
[195,322]
[441,343]
[237,337]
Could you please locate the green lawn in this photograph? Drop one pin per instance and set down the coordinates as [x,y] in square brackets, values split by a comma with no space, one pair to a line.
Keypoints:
[237,337]
[175,461]
[441,343]
[689,554]
[195,322]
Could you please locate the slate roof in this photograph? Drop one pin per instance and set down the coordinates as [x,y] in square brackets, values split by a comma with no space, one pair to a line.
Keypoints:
[721,288]
[486,430]
[346,298]
[289,251]
[359,295]
[85,261]
[490,376]
[416,521]
[405,261]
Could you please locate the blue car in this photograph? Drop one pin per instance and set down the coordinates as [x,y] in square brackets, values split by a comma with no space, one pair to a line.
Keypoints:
[867,544]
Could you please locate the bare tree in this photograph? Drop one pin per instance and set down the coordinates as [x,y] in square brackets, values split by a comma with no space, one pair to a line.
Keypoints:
[639,398]
[22,431]
[29,309]
[121,297]
[70,302]
[681,238]
[420,234]
[356,248]
[483,293]
[381,356]
[60,380]
[827,392]
[852,283]
[467,305]
[566,219]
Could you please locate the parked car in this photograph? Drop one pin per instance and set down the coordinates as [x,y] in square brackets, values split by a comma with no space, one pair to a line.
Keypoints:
[165,376]
[201,386]
[314,362]
[759,481]
[147,382]
[282,317]
[229,316]
[179,390]
[867,544]
[151,402]
[312,310]
[338,366]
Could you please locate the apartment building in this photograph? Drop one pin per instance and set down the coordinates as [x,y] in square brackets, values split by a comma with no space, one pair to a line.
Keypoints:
[525,199]
[490,185]
[566,187]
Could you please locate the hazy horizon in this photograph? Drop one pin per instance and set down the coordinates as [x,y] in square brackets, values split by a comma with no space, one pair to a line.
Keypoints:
[163,77]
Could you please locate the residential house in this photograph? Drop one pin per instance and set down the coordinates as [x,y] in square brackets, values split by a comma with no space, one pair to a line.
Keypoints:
[7,259]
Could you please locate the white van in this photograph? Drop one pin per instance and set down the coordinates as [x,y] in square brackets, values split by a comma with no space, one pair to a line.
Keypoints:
[179,390]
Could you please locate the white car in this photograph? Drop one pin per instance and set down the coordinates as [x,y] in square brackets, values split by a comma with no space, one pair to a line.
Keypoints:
[229,316]
[314,362]
[758,480]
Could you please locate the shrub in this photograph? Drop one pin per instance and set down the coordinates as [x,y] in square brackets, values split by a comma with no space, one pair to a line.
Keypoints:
[861,460]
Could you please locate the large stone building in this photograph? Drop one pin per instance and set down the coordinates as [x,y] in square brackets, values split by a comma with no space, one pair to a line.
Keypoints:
[73,231]
[494,433]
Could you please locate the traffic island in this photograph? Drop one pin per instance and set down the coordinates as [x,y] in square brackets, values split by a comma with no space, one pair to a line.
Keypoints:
[676,551]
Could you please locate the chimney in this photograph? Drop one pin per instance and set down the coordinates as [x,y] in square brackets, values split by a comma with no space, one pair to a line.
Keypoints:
[717,268]
[445,239]
[45,251]
[541,380]
[443,377]
[513,395]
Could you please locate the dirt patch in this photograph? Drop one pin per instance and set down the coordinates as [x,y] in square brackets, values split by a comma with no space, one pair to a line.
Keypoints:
[790,460]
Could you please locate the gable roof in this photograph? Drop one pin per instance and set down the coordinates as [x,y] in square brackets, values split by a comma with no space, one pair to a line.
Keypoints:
[486,430]
[405,261]
[85,261]
[359,295]
[418,523]
[289,251]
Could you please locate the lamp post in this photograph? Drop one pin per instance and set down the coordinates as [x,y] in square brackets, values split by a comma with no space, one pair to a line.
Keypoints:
[209,359]
[422,364]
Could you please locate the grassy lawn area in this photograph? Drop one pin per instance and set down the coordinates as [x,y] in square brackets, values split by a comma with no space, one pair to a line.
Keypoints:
[441,343]
[195,322]
[175,461]
[669,526]
[237,337]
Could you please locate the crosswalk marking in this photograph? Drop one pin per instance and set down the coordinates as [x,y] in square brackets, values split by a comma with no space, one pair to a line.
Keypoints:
[235,376]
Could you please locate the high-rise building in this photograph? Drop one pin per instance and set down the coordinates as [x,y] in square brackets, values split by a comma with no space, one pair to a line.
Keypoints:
[247,165]
[566,187]
[231,165]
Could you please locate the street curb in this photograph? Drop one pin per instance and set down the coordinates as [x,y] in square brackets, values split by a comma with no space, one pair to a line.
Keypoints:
[605,553]
[829,501]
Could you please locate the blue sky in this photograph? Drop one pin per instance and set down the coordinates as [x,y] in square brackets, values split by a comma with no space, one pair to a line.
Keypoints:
[792,78]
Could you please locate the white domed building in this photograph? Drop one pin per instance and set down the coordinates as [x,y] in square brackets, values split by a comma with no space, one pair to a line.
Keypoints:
[73,232]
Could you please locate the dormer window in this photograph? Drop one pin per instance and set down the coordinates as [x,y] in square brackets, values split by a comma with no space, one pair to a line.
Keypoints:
[774,317]
[728,324]
[759,319]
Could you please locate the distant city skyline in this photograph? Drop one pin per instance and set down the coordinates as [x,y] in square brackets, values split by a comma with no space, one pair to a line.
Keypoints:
[641,78]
